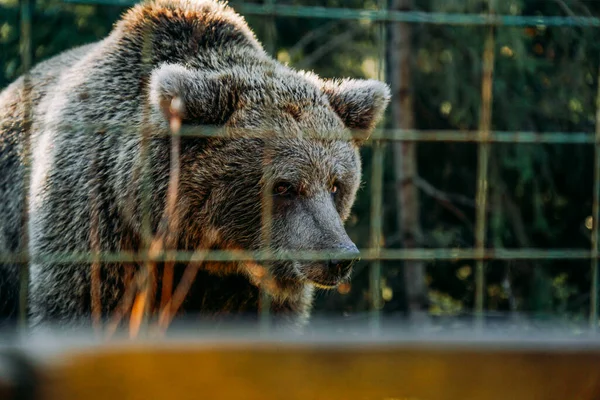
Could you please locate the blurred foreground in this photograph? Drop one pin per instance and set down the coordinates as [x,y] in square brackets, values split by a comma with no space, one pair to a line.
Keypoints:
[546,361]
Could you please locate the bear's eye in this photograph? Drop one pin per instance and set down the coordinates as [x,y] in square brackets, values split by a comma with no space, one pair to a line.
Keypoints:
[283,189]
[334,189]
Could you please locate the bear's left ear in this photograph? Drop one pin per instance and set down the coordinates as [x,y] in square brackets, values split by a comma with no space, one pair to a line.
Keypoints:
[360,103]
[204,99]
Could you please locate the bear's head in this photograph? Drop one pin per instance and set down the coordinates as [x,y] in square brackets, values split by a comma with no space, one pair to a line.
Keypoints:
[286,171]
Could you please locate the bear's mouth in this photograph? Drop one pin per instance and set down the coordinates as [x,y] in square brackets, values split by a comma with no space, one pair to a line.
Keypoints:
[326,286]
[318,275]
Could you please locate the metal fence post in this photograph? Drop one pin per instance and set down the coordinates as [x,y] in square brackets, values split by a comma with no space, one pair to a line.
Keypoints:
[482,167]
[595,216]
[26,60]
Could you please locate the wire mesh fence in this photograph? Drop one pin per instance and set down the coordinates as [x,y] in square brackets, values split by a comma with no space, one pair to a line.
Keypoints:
[137,301]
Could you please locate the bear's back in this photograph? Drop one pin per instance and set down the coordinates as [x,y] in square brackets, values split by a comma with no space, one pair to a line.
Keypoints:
[22,96]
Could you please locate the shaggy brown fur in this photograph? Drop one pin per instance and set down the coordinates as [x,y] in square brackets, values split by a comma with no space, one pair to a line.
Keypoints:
[91,106]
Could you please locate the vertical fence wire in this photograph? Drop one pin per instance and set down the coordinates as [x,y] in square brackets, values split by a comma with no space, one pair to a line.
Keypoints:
[267,206]
[375,234]
[264,304]
[595,216]
[26,59]
[376,211]
[482,166]
[95,242]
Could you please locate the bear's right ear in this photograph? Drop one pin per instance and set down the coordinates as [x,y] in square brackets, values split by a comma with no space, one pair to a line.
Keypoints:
[360,103]
[203,99]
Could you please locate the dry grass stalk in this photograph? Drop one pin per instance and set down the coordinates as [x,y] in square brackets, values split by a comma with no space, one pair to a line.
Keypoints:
[95,276]
[124,305]
[137,313]
[175,124]
[172,306]
[143,305]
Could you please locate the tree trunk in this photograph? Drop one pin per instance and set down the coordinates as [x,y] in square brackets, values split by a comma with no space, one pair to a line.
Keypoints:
[405,165]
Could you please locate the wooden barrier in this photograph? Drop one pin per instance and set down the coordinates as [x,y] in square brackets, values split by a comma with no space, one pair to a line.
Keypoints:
[353,373]
[276,369]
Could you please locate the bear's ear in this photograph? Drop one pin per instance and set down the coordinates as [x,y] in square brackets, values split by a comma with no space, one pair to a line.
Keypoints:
[360,103]
[203,99]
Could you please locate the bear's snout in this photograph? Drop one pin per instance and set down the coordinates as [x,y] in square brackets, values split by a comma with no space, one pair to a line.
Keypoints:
[330,273]
[343,267]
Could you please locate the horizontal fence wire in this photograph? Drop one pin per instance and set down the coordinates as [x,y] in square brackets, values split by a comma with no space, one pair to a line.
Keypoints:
[513,137]
[365,255]
[382,15]
[387,134]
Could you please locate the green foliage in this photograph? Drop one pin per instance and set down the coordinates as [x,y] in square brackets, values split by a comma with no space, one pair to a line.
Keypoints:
[56,26]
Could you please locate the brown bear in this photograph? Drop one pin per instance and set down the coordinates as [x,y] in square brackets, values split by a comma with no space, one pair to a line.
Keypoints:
[286,133]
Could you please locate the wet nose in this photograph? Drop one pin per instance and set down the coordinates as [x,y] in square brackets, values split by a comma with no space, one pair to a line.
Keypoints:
[343,266]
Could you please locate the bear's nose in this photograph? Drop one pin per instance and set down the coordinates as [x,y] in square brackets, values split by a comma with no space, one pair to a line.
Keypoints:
[343,266]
